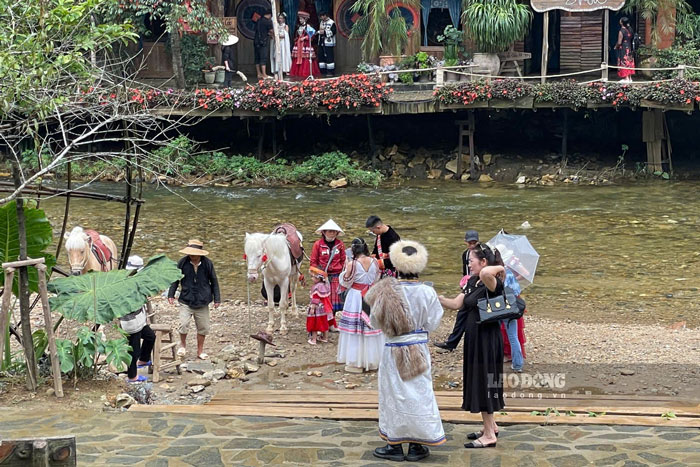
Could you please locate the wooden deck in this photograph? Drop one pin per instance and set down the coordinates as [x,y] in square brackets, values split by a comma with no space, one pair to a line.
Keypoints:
[551,409]
[410,102]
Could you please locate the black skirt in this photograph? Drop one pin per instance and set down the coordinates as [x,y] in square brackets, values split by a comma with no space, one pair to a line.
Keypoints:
[483,356]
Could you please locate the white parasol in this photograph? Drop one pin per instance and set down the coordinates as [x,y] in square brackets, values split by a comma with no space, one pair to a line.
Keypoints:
[518,255]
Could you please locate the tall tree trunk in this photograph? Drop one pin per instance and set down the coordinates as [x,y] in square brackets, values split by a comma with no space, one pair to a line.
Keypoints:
[176,52]
[27,342]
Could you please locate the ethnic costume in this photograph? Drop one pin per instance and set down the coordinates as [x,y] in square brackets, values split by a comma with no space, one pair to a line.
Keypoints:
[319,306]
[326,46]
[285,51]
[382,244]
[359,344]
[304,63]
[330,257]
[406,311]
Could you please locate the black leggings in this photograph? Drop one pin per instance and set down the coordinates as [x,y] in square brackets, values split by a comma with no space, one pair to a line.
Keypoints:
[140,352]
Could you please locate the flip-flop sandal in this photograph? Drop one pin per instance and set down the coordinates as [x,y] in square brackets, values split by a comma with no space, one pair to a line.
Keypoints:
[477,435]
[203,356]
[144,365]
[311,342]
[139,379]
[325,341]
[478,444]
[181,352]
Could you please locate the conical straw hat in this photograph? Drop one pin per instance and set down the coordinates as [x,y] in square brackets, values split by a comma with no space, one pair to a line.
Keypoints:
[330,225]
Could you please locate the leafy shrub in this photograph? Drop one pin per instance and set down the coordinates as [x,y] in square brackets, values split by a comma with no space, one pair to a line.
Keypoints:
[684,54]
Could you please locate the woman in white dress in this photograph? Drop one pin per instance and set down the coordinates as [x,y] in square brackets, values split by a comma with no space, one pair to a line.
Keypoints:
[284,46]
[360,346]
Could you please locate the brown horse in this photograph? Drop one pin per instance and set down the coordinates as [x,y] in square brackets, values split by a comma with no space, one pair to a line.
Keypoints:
[90,251]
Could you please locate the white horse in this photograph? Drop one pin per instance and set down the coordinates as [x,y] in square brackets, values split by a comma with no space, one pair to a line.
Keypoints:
[82,256]
[270,253]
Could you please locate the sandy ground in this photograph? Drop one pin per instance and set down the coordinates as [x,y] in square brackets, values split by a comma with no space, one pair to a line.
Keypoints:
[582,357]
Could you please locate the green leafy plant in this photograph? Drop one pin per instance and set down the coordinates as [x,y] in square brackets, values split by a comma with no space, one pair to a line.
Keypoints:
[39,237]
[80,357]
[595,414]
[452,38]
[381,32]
[660,14]
[494,25]
[668,415]
[102,297]
[195,57]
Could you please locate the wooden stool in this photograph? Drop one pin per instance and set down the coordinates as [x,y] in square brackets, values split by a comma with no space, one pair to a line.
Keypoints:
[162,344]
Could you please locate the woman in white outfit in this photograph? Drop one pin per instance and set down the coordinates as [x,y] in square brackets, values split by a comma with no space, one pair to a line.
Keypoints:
[360,346]
[284,46]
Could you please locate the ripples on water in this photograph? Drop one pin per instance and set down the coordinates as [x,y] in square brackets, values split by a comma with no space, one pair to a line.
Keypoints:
[613,253]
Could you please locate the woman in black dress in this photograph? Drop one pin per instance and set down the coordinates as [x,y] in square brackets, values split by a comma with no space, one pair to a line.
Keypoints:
[483,348]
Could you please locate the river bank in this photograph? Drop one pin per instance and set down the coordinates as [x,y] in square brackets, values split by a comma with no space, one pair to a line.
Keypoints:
[582,358]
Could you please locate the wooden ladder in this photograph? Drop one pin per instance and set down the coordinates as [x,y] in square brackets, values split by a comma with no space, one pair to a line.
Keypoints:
[466,128]
[164,343]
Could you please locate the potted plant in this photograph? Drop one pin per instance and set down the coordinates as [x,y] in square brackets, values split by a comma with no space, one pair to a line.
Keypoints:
[452,38]
[208,71]
[493,26]
[384,35]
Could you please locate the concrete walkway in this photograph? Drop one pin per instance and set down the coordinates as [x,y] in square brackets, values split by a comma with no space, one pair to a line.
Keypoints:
[203,440]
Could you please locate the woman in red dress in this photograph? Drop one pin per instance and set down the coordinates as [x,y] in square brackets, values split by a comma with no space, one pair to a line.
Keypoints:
[625,54]
[328,254]
[304,61]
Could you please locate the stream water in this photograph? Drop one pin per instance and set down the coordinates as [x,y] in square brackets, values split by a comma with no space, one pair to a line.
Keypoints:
[614,253]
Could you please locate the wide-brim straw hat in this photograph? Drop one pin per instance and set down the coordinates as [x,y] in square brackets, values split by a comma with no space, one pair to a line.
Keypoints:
[408,256]
[194,247]
[330,225]
[303,14]
[230,40]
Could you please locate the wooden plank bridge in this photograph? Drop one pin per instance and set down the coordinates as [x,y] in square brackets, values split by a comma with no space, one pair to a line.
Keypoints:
[551,409]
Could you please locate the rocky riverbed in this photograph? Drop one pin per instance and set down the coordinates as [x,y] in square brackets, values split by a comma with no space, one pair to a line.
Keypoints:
[589,358]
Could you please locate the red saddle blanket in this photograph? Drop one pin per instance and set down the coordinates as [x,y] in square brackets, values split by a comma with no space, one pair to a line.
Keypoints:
[99,249]
[296,249]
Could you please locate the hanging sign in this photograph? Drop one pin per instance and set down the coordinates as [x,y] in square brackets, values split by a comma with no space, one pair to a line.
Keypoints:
[541,6]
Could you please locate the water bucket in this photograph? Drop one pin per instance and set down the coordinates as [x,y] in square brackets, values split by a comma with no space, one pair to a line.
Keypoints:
[209,77]
[220,76]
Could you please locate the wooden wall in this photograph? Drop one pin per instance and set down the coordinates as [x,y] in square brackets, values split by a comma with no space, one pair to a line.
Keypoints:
[581,41]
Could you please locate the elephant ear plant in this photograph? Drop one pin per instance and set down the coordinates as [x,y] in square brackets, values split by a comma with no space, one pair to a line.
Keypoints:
[100,298]
[494,25]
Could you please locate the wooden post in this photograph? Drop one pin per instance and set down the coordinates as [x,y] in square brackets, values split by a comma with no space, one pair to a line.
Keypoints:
[472,128]
[261,139]
[460,128]
[564,137]
[372,147]
[55,366]
[5,309]
[278,49]
[127,214]
[24,310]
[606,41]
[681,71]
[439,77]
[545,46]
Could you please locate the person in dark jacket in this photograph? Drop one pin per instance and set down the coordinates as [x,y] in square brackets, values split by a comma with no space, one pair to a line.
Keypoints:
[471,238]
[227,58]
[198,288]
[385,237]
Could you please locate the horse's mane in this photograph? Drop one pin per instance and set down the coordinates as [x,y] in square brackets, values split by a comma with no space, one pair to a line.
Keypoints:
[76,239]
[275,244]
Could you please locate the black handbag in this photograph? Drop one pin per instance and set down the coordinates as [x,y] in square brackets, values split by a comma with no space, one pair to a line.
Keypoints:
[503,306]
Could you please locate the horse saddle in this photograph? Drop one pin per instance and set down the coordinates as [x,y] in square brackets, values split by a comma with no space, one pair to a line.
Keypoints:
[296,249]
[99,249]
